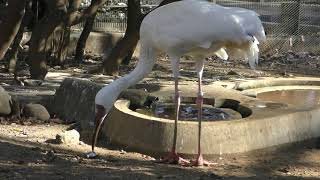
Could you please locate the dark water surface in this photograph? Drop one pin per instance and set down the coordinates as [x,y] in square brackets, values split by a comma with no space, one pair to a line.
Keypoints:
[305,98]
[188,112]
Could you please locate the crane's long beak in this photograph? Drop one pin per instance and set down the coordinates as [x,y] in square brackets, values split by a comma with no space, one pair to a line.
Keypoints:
[99,118]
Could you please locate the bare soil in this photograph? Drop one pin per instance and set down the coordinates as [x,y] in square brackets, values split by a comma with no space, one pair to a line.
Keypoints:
[27,151]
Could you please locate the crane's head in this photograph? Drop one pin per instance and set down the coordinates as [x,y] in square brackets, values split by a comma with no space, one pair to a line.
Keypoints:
[104,101]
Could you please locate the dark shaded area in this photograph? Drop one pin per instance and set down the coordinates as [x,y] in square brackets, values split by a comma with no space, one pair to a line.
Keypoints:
[10,24]
[35,161]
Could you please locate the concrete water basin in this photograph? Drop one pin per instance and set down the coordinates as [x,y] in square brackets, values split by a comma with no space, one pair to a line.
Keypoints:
[263,123]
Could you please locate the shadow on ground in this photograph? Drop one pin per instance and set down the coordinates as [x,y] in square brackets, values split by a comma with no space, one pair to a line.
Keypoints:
[21,160]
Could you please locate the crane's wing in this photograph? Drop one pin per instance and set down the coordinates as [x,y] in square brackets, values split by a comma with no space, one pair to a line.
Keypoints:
[189,24]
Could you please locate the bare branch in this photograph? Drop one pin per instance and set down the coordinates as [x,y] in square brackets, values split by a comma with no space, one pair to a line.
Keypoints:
[76,17]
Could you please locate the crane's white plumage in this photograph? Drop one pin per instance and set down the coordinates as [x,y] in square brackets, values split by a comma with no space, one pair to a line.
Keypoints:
[202,28]
[189,27]
[193,27]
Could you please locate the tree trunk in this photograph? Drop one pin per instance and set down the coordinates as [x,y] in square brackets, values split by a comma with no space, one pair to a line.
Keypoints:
[56,16]
[64,39]
[40,34]
[126,46]
[11,55]
[10,25]
[128,42]
[81,44]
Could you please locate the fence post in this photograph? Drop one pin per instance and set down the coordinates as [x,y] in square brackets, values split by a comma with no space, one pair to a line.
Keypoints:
[290,12]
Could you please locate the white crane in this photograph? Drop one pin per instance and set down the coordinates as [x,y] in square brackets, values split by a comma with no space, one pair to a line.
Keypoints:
[189,27]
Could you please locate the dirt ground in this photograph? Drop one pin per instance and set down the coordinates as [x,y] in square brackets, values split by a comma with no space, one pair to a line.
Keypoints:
[27,151]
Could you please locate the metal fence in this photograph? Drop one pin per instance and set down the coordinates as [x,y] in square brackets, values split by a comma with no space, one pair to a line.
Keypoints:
[289,24]
[112,16]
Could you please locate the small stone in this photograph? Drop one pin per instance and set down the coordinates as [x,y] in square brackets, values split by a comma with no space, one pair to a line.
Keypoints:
[148,157]
[77,70]
[68,137]
[36,110]
[57,67]
[90,155]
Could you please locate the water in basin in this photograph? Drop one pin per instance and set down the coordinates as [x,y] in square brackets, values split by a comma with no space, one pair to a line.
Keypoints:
[189,112]
[304,98]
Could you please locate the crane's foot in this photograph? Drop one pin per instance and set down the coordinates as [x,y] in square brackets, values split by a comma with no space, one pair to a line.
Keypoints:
[199,161]
[173,158]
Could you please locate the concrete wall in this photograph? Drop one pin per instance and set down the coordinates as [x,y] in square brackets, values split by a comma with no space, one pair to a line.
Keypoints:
[98,42]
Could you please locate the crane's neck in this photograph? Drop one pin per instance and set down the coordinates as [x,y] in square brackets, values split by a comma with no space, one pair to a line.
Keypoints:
[109,94]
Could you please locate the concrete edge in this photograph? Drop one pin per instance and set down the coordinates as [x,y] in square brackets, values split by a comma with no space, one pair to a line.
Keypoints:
[153,136]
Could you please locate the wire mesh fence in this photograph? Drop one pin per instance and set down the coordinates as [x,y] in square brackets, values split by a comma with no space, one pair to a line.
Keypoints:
[289,24]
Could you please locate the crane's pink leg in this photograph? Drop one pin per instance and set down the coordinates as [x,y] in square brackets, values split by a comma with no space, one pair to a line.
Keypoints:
[199,161]
[173,156]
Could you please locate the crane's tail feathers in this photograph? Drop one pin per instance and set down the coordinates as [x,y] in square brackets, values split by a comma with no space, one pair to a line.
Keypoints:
[221,53]
[252,54]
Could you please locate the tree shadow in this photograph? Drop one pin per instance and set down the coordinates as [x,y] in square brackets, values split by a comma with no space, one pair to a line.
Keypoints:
[27,160]
[284,160]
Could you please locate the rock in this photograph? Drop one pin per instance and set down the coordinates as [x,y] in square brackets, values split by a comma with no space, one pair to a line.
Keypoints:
[68,137]
[5,102]
[74,101]
[36,110]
